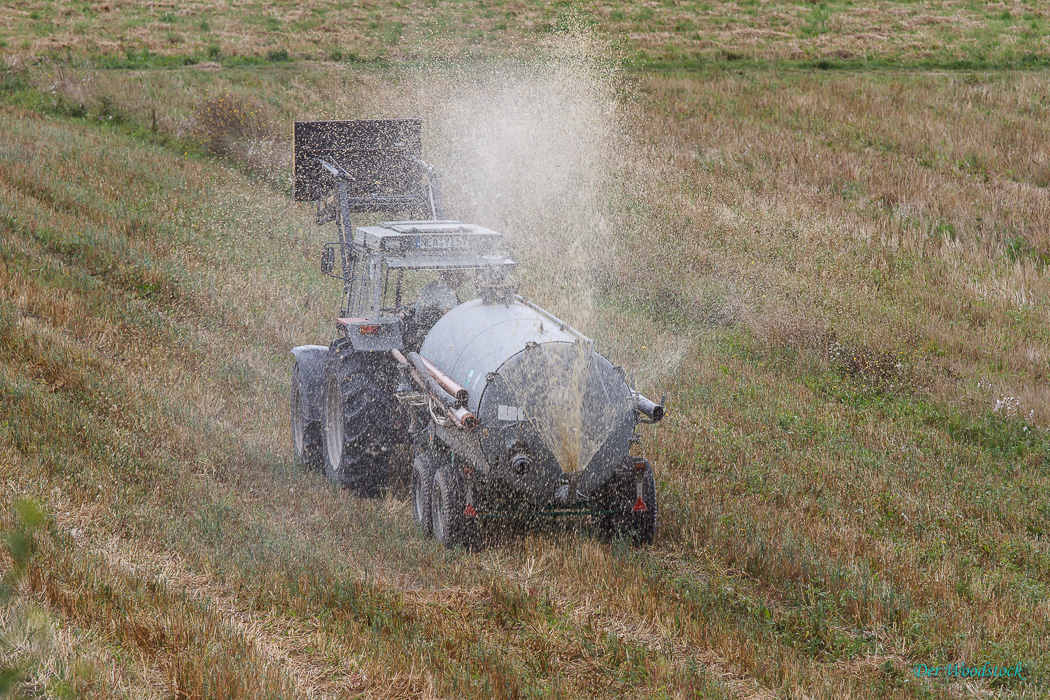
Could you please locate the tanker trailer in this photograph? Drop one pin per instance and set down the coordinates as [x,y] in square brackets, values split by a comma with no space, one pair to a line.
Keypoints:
[492,408]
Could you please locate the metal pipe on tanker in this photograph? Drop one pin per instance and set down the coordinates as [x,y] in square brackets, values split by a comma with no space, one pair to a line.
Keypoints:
[403,361]
[561,324]
[432,383]
[465,418]
[450,385]
[459,415]
[651,409]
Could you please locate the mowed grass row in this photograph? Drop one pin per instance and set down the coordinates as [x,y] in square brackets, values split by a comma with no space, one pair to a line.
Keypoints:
[882,239]
[904,212]
[822,531]
[142,410]
[836,33]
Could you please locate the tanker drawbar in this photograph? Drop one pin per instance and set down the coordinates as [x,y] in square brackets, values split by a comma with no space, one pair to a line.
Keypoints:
[491,408]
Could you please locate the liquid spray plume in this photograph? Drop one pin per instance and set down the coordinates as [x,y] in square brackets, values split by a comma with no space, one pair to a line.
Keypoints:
[531,149]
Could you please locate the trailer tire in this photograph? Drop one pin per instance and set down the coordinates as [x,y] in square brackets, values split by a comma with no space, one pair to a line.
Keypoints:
[423,468]
[450,524]
[362,427]
[307,427]
[620,497]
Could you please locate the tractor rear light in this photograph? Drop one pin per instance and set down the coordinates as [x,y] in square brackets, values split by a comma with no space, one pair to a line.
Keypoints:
[368,329]
[640,464]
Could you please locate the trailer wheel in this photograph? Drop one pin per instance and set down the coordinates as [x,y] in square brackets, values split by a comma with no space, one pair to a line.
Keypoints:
[449,522]
[307,428]
[360,420]
[422,491]
[624,521]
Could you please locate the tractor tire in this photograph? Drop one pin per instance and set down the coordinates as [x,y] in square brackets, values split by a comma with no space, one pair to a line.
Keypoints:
[619,497]
[449,523]
[362,422]
[307,428]
[423,468]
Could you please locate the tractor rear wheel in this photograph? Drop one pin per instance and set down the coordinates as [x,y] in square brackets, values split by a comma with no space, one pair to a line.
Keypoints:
[307,428]
[362,425]
[423,468]
[449,522]
[620,497]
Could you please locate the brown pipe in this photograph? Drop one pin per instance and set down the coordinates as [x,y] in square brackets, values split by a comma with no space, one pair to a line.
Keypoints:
[431,383]
[465,418]
[459,415]
[450,385]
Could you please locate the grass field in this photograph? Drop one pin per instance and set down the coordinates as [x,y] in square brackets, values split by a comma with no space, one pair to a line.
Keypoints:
[820,229]
[929,33]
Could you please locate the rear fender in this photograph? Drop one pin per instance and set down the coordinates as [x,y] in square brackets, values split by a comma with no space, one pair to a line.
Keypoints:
[311,359]
[368,335]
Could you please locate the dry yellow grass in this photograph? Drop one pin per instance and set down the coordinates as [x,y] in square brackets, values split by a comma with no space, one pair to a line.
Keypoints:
[771,241]
[906,212]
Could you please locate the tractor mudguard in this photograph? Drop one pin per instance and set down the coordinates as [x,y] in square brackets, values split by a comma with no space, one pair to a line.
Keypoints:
[311,359]
[367,335]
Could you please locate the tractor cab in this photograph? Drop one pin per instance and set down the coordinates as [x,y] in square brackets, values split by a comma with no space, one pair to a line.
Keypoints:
[398,276]
[412,272]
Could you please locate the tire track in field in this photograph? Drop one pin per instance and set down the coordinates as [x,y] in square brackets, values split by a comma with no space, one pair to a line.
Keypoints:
[468,596]
[736,682]
[63,646]
[586,612]
[277,638]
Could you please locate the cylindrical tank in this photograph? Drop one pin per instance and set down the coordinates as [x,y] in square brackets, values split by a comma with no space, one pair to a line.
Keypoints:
[549,408]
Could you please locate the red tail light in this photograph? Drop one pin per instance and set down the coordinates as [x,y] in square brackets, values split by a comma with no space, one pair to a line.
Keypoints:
[368,330]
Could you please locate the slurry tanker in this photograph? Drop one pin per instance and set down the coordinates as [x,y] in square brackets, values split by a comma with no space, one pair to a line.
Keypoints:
[491,408]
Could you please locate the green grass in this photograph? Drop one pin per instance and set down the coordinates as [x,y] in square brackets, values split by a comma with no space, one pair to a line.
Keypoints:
[930,34]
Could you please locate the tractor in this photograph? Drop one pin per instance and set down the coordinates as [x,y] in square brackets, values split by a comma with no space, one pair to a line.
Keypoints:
[442,375]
